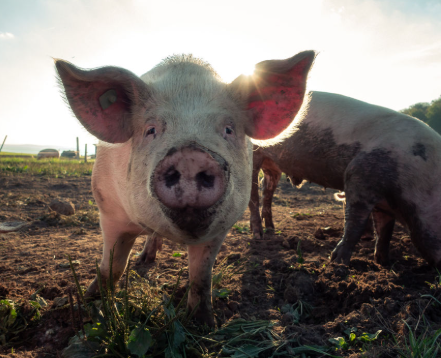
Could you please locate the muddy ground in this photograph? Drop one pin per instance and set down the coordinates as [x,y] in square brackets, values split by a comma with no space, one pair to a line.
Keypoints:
[364,295]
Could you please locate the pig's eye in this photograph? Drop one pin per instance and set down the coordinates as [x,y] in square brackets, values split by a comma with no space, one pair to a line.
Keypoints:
[151,130]
[228,131]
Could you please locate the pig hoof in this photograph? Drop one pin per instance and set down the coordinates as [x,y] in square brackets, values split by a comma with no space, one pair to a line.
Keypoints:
[92,290]
[152,245]
[269,230]
[203,317]
[258,235]
[341,255]
[257,231]
[146,258]
[381,260]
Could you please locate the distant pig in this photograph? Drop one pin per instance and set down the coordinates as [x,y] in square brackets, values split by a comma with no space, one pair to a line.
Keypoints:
[387,163]
[175,159]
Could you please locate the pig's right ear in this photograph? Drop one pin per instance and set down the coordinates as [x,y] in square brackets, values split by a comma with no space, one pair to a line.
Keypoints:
[102,99]
[274,94]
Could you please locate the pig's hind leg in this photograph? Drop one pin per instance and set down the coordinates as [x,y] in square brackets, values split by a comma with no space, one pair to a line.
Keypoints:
[425,229]
[363,191]
[356,218]
[255,220]
[119,237]
[384,223]
[153,243]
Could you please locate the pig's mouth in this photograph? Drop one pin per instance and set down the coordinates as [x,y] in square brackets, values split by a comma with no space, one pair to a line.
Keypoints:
[194,221]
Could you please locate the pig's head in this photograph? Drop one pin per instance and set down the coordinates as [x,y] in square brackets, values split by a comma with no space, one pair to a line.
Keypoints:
[189,172]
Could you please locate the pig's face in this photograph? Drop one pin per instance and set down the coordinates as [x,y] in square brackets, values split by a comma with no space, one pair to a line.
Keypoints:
[189,174]
[190,154]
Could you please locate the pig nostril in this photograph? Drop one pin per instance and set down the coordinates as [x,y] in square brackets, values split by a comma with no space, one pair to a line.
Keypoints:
[171,177]
[205,180]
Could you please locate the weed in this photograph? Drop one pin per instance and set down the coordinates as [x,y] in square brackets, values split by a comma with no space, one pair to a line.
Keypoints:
[352,341]
[224,271]
[299,310]
[243,339]
[425,345]
[221,293]
[15,318]
[241,228]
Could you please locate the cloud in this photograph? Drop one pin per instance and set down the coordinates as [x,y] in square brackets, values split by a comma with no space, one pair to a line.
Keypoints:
[6,36]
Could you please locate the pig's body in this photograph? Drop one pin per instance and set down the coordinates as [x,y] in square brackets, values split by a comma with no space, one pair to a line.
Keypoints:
[386,162]
[180,161]
[118,199]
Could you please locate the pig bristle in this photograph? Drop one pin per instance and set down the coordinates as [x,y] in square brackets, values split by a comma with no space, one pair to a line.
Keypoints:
[178,59]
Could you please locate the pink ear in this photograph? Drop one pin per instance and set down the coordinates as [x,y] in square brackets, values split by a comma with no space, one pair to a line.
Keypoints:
[102,99]
[275,93]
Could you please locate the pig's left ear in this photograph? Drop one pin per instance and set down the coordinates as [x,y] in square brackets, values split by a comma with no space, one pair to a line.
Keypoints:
[103,99]
[274,93]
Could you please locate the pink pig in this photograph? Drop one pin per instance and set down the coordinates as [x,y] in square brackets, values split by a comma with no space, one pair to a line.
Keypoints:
[175,158]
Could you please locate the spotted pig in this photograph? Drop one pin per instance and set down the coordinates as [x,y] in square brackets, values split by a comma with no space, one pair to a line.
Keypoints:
[387,163]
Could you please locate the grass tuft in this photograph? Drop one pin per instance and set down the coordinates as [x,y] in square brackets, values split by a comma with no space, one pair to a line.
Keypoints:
[57,168]
[15,317]
[144,321]
[425,345]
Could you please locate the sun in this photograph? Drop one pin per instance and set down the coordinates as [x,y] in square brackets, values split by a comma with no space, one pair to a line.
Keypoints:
[248,70]
[229,73]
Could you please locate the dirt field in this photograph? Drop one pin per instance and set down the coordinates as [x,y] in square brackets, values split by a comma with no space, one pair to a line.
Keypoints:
[364,295]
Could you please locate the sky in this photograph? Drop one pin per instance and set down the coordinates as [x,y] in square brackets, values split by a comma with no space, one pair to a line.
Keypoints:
[385,52]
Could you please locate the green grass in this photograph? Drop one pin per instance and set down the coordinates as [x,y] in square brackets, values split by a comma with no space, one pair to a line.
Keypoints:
[16,154]
[222,275]
[241,228]
[15,317]
[45,167]
[144,320]
[424,345]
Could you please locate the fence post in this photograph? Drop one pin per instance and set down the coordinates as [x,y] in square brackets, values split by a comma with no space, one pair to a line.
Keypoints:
[85,153]
[78,149]
[4,140]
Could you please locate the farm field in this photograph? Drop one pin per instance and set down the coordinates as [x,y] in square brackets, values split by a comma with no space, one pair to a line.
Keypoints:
[285,278]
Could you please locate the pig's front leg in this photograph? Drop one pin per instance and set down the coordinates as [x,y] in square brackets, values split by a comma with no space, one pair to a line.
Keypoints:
[384,226]
[270,180]
[119,236]
[153,244]
[201,260]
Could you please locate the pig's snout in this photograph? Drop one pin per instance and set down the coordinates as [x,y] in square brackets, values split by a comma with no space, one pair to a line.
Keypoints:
[189,178]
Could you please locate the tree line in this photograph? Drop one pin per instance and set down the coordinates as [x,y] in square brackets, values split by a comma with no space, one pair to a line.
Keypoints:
[429,113]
